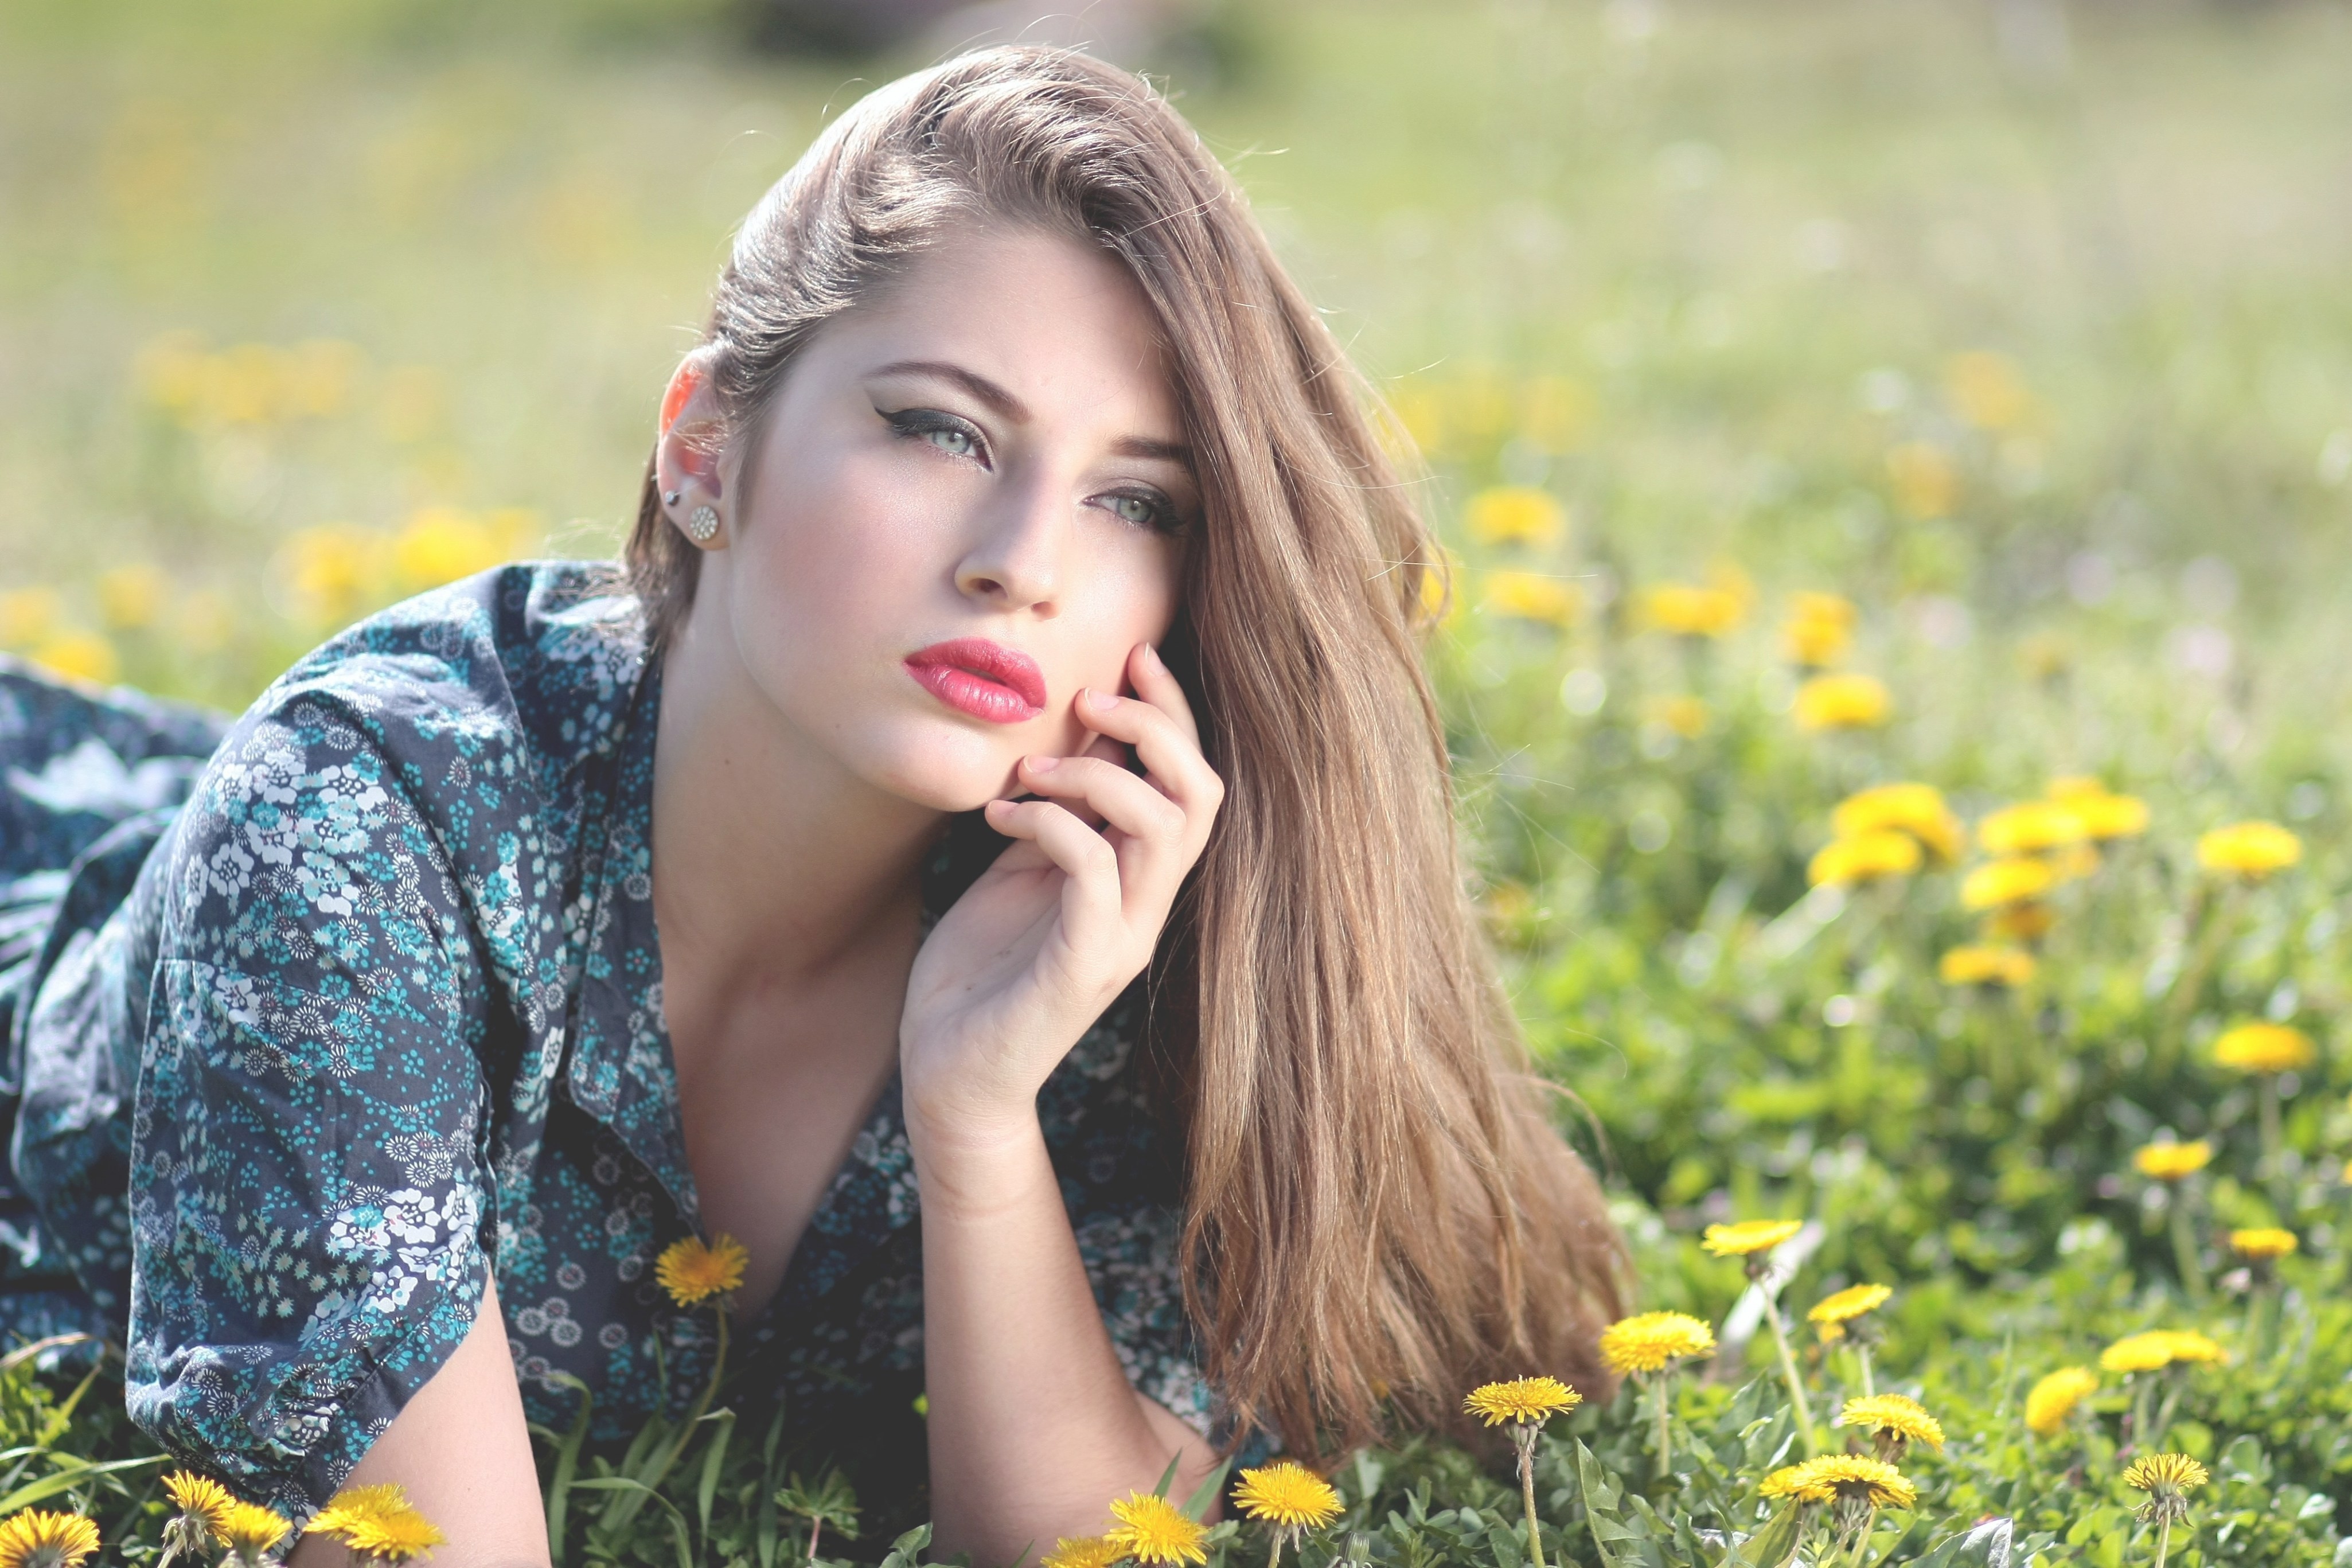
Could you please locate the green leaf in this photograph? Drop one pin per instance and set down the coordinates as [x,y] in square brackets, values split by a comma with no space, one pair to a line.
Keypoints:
[567,1465]
[708,1485]
[1207,1492]
[1167,1477]
[1775,1545]
[1600,1491]
[75,1472]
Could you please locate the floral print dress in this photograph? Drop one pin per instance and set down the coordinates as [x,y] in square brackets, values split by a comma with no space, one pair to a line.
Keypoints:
[319,1019]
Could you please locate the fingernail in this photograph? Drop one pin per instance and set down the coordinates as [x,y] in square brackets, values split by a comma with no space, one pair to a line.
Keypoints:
[1100,701]
[1044,764]
[1151,657]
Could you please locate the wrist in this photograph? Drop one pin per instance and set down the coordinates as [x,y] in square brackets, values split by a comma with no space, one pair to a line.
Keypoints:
[972,1164]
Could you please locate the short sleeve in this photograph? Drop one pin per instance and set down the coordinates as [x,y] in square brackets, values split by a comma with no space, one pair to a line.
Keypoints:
[307,1190]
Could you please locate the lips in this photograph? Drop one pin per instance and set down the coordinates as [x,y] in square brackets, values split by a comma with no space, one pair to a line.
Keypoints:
[983,678]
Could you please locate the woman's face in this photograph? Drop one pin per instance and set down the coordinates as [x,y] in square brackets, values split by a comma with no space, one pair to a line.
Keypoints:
[969,503]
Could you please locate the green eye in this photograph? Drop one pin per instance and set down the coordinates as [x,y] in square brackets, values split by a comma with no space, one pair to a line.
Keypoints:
[1132,508]
[955,442]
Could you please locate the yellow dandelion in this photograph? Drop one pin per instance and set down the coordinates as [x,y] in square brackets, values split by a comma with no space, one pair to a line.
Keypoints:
[1523,1400]
[130,597]
[2263,1242]
[2008,881]
[1748,1237]
[1153,1529]
[1082,1551]
[1652,1341]
[1531,596]
[81,656]
[2168,1479]
[1911,807]
[1818,628]
[1843,862]
[2187,1346]
[1854,1477]
[2054,1397]
[2172,1161]
[2103,816]
[2157,1349]
[1986,390]
[2032,827]
[1683,714]
[1924,481]
[38,1538]
[1986,964]
[1514,514]
[1843,702]
[2249,850]
[1288,1496]
[2138,1352]
[693,1272]
[199,1497]
[249,1529]
[376,1521]
[1690,611]
[1895,1414]
[2020,923]
[1832,1313]
[1792,1481]
[2265,1048]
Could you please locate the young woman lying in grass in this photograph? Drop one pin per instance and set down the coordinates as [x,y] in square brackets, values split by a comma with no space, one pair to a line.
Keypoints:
[985,866]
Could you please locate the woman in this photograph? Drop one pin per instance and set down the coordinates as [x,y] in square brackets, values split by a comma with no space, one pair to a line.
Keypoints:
[1003,792]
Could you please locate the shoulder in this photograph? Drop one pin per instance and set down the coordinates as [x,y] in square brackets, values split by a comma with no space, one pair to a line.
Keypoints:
[432,740]
[548,649]
[527,667]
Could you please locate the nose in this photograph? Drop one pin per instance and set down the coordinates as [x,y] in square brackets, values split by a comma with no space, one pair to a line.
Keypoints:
[1015,563]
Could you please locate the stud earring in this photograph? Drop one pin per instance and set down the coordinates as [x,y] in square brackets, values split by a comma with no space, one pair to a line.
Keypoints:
[670,498]
[703,525]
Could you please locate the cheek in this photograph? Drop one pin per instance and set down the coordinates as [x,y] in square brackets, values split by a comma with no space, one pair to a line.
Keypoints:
[833,544]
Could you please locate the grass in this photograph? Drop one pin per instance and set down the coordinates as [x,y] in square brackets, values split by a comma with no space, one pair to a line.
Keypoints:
[2037,354]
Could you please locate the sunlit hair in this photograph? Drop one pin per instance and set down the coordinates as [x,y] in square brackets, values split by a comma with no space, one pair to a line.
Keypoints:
[1378,1203]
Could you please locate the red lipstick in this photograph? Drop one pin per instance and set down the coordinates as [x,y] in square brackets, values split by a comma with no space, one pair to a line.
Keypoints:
[985,679]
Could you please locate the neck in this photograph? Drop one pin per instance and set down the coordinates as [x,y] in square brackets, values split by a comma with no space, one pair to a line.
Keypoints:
[771,862]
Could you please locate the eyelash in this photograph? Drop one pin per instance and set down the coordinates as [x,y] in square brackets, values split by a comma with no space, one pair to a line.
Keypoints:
[917,424]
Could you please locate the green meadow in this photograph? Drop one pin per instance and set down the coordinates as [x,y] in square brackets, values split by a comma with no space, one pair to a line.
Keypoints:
[1814,397]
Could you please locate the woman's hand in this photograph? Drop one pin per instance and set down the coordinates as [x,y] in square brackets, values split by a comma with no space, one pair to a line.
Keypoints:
[1051,933]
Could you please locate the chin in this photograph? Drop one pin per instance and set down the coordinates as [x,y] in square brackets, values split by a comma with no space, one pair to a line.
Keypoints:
[952,771]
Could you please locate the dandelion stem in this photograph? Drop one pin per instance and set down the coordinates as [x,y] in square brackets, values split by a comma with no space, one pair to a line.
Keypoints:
[1665,1430]
[1524,1437]
[2274,1150]
[2163,1540]
[816,1524]
[2258,1320]
[1274,1558]
[1796,1385]
[1862,1349]
[2184,1247]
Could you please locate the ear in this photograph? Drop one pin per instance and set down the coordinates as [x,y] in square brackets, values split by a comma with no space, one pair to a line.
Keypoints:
[687,452]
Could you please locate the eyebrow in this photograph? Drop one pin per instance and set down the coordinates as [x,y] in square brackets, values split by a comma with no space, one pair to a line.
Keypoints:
[1002,399]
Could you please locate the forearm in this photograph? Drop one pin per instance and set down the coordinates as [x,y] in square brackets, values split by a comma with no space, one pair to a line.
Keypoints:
[1034,1427]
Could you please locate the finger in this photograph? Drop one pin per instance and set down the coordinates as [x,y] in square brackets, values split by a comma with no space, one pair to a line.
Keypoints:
[1171,754]
[1125,802]
[1157,684]
[1091,907]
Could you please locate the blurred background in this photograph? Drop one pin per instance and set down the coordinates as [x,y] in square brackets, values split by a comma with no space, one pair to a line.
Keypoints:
[2019,329]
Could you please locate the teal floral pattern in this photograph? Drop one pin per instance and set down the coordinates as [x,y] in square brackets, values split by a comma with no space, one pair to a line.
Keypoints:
[298,1064]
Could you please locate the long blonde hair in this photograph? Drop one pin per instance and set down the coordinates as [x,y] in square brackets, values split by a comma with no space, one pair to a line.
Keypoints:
[1377,1204]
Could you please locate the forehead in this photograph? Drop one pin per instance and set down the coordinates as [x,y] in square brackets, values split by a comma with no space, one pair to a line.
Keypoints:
[1058,322]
